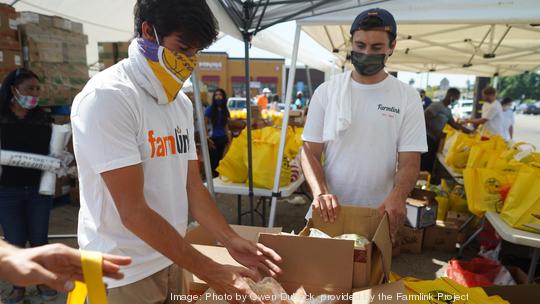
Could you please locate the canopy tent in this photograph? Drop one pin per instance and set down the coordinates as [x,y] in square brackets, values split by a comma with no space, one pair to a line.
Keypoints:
[251,17]
[482,37]
[113,21]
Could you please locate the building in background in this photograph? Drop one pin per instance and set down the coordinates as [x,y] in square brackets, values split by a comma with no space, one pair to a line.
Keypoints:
[218,70]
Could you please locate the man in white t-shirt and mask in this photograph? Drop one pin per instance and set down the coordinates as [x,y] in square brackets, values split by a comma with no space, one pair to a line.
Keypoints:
[134,142]
[492,115]
[370,127]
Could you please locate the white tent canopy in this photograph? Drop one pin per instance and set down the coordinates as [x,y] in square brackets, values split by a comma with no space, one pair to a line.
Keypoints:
[113,21]
[457,36]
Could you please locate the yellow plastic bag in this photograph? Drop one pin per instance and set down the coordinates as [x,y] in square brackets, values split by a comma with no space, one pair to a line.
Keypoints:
[444,290]
[93,276]
[232,168]
[483,151]
[483,189]
[458,155]
[442,207]
[265,148]
[523,199]
[457,200]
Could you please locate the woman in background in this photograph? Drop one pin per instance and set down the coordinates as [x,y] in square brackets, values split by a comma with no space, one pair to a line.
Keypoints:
[217,116]
[24,127]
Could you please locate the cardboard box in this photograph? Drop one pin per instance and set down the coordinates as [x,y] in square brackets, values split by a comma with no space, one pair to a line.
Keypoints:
[112,52]
[204,242]
[60,83]
[8,21]
[192,285]
[372,264]
[516,294]
[67,25]
[441,237]
[411,239]
[421,209]
[43,21]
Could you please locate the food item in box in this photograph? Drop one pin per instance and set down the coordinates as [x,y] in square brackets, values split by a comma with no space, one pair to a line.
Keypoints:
[360,242]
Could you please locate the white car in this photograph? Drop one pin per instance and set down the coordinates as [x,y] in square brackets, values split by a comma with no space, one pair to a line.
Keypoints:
[463,109]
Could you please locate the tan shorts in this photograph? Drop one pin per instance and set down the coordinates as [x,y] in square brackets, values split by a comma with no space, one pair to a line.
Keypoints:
[154,289]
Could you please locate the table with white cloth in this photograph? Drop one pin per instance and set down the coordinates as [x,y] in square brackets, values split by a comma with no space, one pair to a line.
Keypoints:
[516,236]
[264,195]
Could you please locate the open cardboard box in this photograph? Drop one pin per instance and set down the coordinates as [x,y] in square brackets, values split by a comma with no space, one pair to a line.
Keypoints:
[205,243]
[332,266]
[372,264]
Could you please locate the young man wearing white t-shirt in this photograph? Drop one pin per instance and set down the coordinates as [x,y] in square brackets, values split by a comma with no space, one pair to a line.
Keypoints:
[134,142]
[492,115]
[370,127]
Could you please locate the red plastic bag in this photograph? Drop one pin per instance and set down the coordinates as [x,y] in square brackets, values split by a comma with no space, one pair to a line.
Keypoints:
[479,272]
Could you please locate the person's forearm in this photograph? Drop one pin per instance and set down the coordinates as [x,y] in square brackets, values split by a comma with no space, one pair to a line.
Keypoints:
[6,250]
[478,121]
[154,230]
[203,208]
[313,172]
[405,179]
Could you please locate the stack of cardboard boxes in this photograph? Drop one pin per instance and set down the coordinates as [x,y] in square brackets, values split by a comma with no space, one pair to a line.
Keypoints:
[10,46]
[112,52]
[55,49]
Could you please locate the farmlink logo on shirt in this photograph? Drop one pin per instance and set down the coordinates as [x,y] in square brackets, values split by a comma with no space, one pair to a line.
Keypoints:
[381,107]
[162,146]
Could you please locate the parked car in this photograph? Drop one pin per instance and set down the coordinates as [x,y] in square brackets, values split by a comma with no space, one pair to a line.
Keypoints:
[463,109]
[532,109]
[237,103]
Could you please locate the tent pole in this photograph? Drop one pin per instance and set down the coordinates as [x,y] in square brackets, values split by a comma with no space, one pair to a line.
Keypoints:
[249,141]
[310,85]
[284,125]
[202,133]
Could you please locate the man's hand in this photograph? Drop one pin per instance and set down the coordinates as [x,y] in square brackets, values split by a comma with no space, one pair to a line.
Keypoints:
[254,256]
[395,207]
[229,280]
[327,205]
[55,265]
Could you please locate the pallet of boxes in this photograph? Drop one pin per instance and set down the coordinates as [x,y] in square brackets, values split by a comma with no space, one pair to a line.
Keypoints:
[10,44]
[111,53]
[55,49]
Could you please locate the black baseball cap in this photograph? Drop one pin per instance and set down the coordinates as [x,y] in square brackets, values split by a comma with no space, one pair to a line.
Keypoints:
[388,21]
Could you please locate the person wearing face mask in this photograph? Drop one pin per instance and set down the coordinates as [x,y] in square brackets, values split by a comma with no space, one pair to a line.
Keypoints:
[508,114]
[426,101]
[217,116]
[369,125]
[437,115]
[492,118]
[133,138]
[24,127]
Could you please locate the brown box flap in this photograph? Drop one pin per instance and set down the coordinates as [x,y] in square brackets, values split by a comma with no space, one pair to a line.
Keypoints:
[313,262]
[201,236]
[351,219]
[383,241]
[380,294]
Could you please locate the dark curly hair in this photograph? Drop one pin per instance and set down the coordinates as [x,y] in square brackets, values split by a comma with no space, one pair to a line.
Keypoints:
[14,78]
[192,18]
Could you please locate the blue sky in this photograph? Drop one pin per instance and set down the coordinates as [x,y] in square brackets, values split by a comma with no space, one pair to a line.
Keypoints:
[235,48]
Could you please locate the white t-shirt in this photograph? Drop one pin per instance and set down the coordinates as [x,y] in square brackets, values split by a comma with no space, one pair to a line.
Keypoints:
[360,165]
[494,114]
[117,123]
[508,121]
